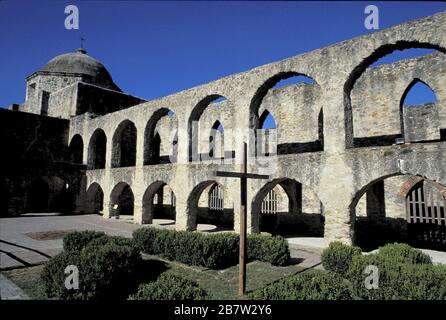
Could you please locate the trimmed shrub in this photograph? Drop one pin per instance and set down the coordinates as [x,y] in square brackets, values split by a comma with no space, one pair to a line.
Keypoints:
[144,238]
[105,272]
[169,287]
[403,253]
[309,285]
[53,274]
[116,240]
[272,249]
[209,250]
[78,240]
[338,257]
[397,280]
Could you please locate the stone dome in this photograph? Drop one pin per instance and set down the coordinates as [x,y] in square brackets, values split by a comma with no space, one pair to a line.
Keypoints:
[79,62]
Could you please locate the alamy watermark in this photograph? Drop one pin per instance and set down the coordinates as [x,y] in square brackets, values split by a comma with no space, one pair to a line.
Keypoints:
[372,279]
[72,280]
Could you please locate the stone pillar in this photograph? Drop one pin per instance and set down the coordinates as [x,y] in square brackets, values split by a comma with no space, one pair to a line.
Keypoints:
[137,214]
[334,122]
[336,191]
[140,139]
[182,222]
[253,219]
[338,225]
[109,150]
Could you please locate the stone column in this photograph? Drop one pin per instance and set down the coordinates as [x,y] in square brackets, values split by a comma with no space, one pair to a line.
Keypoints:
[138,214]
[182,211]
[338,225]
[140,139]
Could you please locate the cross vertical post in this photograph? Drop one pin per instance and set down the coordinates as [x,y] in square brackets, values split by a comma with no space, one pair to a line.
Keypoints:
[243,176]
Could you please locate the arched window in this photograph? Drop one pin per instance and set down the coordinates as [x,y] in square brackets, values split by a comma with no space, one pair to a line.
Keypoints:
[356,92]
[159,144]
[266,138]
[96,150]
[76,149]
[418,93]
[124,145]
[419,113]
[193,121]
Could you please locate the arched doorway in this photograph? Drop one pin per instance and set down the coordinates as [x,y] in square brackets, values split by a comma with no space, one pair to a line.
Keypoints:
[122,201]
[400,208]
[286,207]
[425,209]
[159,203]
[95,199]
[209,205]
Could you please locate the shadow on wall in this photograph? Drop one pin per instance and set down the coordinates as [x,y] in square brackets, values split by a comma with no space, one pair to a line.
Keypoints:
[293,224]
[223,219]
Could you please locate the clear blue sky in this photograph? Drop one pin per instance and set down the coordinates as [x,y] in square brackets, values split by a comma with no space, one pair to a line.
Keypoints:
[153,48]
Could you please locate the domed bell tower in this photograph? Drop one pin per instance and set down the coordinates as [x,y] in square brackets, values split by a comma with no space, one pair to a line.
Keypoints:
[53,90]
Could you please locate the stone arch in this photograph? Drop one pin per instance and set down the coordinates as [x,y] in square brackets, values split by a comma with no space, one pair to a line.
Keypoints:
[201,214]
[299,212]
[124,145]
[379,224]
[405,133]
[153,140]
[310,141]
[192,124]
[261,92]
[97,149]
[165,206]
[357,71]
[76,149]
[121,200]
[95,199]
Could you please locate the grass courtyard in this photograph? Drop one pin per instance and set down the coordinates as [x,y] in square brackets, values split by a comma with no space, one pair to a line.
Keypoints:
[219,284]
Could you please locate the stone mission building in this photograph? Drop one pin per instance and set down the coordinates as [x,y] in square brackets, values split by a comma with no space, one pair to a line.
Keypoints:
[349,160]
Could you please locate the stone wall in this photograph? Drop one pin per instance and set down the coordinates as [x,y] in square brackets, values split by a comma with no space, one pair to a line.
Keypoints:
[317,149]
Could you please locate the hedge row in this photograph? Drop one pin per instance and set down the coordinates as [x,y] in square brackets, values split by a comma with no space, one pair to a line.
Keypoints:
[403,272]
[169,287]
[106,267]
[309,285]
[398,281]
[210,250]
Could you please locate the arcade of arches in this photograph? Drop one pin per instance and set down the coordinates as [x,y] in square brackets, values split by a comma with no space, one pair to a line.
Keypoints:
[351,156]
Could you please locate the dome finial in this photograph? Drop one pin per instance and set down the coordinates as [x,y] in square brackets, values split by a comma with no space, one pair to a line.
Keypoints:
[81,49]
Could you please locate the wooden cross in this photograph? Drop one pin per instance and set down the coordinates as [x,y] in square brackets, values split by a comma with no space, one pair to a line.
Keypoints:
[243,176]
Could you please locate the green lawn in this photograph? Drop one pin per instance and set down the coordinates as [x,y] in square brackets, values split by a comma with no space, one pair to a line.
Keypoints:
[220,284]
[28,279]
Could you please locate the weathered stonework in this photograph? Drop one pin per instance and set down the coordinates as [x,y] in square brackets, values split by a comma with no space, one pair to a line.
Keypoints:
[336,137]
